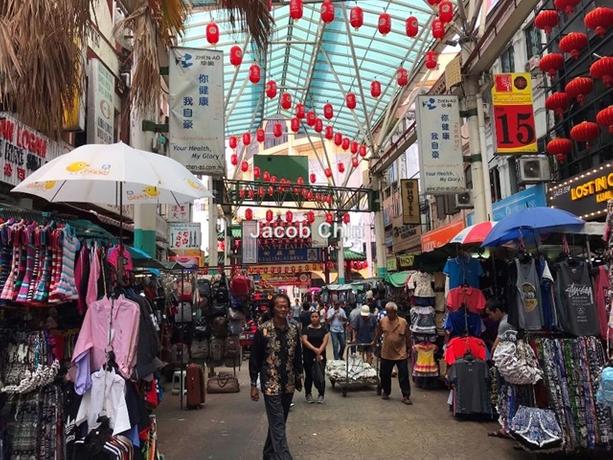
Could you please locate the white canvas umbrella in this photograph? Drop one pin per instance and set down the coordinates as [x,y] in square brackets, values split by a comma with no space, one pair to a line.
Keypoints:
[113,174]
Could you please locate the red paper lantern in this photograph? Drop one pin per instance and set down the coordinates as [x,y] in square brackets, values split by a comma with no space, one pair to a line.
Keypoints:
[295,124]
[603,69]
[578,88]
[309,195]
[295,9]
[328,172]
[568,6]
[241,192]
[551,63]
[273,179]
[350,100]
[346,218]
[384,24]
[269,215]
[586,131]
[244,166]
[354,147]
[573,43]
[338,138]
[346,143]
[234,159]
[300,180]
[289,216]
[271,89]
[438,29]
[356,17]
[312,178]
[248,214]
[271,189]
[256,172]
[212,33]
[329,217]
[355,162]
[445,11]
[251,194]
[559,146]
[605,118]
[310,217]
[319,125]
[300,111]
[362,150]
[546,20]
[375,89]
[558,102]
[286,101]
[328,111]
[329,132]
[277,129]
[246,138]
[236,55]
[260,135]
[311,118]
[402,76]
[266,176]
[411,26]
[327,11]
[599,20]
[254,73]
[431,60]
[233,142]
[341,167]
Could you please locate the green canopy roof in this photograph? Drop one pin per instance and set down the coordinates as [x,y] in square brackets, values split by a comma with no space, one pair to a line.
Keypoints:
[398,279]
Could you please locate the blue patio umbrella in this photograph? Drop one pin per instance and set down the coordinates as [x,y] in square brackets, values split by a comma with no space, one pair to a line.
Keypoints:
[529,223]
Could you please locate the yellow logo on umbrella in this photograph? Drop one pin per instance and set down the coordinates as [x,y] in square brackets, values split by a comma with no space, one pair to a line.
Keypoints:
[49,184]
[77,166]
[194,184]
[151,191]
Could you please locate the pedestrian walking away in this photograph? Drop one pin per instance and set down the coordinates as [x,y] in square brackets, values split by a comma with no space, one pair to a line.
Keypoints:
[336,319]
[276,359]
[315,339]
[394,352]
[364,327]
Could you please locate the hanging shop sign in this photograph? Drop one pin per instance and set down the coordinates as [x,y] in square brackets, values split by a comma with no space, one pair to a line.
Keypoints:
[23,150]
[288,255]
[249,241]
[585,194]
[178,213]
[196,125]
[513,113]
[184,236]
[405,237]
[391,265]
[441,236]
[409,190]
[406,260]
[440,144]
[302,280]
[531,197]
[101,104]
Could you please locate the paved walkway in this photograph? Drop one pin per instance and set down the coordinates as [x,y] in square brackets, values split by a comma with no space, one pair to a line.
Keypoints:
[360,426]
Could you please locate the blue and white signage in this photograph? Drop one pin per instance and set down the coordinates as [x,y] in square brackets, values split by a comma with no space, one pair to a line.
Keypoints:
[440,145]
[531,197]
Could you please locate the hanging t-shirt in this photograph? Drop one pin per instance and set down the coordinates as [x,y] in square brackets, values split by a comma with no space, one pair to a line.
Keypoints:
[459,347]
[461,323]
[470,379]
[463,270]
[575,299]
[471,298]
[421,284]
[528,303]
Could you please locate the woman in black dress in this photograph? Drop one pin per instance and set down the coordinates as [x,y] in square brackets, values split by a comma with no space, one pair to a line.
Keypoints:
[315,339]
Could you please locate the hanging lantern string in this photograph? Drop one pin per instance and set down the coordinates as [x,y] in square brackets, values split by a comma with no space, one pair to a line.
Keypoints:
[244,149]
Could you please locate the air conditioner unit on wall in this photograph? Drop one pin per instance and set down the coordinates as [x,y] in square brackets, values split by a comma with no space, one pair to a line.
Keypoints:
[532,170]
[464,200]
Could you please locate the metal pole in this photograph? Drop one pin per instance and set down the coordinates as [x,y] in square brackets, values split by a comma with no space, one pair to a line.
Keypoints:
[476,156]
[340,251]
[212,228]
[487,186]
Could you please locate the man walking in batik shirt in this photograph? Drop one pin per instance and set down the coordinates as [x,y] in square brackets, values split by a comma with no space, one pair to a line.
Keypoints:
[276,357]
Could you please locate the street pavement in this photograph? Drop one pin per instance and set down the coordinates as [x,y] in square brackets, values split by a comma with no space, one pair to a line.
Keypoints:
[360,426]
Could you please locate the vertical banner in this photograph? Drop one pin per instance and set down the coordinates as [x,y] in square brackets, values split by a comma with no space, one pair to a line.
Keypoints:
[100,104]
[409,190]
[440,144]
[196,126]
[250,242]
[513,113]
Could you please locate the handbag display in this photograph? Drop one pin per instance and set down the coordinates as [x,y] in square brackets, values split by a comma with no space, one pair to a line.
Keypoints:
[232,347]
[216,350]
[222,383]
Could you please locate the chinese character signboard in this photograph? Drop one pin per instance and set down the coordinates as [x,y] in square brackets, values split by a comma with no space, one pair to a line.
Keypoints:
[184,236]
[23,150]
[440,145]
[178,213]
[409,189]
[101,105]
[250,242]
[288,255]
[196,126]
[513,113]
